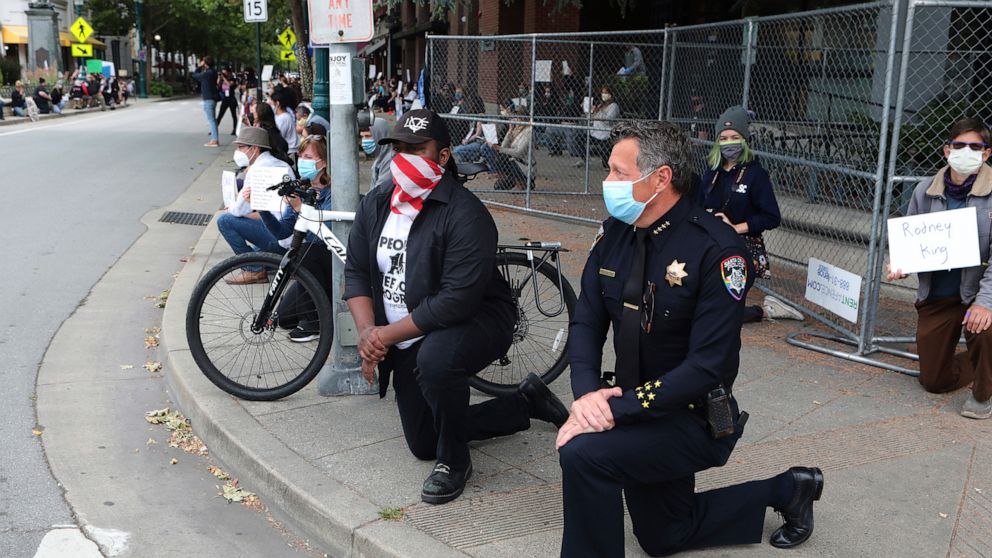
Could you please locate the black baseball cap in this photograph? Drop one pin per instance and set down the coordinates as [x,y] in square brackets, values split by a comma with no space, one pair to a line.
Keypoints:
[419,126]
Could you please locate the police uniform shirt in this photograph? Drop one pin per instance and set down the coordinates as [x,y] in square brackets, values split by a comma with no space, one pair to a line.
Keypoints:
[701,274]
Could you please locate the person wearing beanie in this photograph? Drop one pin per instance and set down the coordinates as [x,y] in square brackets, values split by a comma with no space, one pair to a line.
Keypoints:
[737,190]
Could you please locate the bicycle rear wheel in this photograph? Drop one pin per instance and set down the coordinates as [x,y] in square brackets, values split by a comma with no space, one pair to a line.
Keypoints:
[266,365]
[539,342]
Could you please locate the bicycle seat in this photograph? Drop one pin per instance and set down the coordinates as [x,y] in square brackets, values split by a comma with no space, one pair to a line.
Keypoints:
[469,170]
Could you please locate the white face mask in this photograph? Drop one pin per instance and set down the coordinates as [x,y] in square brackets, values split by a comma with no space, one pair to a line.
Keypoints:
[241,159]
[606,97]
[965,161]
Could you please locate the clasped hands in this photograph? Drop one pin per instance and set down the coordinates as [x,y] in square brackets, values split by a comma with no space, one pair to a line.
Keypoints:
[372,349]
[589,413]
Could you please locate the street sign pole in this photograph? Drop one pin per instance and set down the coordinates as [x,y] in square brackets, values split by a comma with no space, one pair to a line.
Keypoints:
[142,86]
[258,62]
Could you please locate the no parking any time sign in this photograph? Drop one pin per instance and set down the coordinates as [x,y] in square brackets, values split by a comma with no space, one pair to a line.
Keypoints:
[340,21]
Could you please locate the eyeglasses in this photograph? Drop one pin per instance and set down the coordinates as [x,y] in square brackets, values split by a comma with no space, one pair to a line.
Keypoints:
[647,307]
[974,146]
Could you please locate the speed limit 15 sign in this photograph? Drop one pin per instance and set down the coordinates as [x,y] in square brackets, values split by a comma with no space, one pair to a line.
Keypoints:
[256,11]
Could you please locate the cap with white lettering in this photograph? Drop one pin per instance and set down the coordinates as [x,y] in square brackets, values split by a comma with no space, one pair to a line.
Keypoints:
[419,126]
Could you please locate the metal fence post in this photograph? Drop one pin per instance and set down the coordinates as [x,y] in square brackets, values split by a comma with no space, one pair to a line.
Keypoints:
[664,70]
[671,75]
[589,114]
[748,59]
[869,311]
[533,132]
[428,98]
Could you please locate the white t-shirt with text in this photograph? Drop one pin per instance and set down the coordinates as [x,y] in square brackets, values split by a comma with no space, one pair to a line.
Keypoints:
[391,257]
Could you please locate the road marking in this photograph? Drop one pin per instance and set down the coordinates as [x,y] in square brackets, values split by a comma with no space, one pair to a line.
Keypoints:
[50,126]
[59,543]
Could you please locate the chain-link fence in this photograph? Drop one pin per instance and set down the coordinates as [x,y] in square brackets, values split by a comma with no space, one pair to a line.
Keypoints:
[851,108]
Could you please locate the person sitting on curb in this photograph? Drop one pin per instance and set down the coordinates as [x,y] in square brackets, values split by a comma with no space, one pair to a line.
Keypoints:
[432,308]
[948,300]
[18,103]
[242,227]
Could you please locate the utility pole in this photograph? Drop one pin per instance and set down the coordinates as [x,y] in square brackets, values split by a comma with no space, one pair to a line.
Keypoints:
[343,376]
[321,104]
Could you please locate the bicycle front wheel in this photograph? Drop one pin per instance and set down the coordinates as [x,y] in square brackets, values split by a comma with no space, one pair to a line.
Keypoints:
[539,341]
[258,365]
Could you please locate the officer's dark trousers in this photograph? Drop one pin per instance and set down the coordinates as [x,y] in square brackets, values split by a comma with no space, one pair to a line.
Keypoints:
[654,464]
[432,393]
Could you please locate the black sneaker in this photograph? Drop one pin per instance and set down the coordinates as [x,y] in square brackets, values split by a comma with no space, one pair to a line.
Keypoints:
[444,484]
[543,404]
[300,335]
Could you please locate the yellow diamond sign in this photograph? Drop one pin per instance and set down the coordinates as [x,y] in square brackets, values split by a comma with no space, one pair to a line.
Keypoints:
[287,38]
[287,55]
[81,30]
[81,50]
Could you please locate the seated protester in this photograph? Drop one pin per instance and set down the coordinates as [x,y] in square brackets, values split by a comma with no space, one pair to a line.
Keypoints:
[110,89]
[312,165]
[42,99]
[948,300]
[314,130]
[265,118]
[285,122]
[383,154]
[432,308]
[241,227]
[305,114]
[502,158]
[670,281]
[18,105]
[58,99]
[603,116]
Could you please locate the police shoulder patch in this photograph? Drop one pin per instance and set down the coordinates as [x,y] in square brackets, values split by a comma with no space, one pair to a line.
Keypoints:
[733,270]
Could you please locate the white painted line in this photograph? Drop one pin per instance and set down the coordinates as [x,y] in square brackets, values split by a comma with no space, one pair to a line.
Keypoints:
[34,127]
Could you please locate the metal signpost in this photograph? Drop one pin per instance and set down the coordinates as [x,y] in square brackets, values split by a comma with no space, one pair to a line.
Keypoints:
[257,12]
[337,26]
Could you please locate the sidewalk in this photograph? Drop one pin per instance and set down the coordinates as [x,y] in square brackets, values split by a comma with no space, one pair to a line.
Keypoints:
[905,475]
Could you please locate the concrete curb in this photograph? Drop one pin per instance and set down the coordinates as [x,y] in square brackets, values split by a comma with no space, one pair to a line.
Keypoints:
[339,520]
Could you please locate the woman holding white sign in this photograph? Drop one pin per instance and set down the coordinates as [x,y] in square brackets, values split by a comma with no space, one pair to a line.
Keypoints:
[948,300]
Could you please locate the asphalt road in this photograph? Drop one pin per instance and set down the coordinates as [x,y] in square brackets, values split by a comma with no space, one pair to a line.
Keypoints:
[76,190]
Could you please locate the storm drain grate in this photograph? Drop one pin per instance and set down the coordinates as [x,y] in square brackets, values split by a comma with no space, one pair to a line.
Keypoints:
[181,218]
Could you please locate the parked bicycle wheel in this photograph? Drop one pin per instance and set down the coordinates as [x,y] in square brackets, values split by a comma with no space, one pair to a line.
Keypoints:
[539,341]
[260,365]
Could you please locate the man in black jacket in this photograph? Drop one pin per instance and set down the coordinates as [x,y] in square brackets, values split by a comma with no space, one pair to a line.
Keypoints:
[432,308]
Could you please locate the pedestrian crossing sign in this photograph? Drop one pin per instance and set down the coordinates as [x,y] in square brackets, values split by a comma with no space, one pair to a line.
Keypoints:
[81,50]
[81,30]
[287,55]
[287,38]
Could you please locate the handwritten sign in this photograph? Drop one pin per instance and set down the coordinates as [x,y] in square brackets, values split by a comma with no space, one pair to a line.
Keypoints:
[489,130]
[229,188]
[833,288]
[542,70]
[934,241]
[340,21]
[259,180]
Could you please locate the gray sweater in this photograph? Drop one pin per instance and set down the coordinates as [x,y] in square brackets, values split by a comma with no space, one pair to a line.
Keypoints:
[928,197]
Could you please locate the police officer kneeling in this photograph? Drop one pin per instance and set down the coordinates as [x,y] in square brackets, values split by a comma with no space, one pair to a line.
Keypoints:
[671,280]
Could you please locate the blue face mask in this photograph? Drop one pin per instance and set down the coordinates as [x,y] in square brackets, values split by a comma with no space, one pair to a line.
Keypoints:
[307,168]
[620,202]
[368,146]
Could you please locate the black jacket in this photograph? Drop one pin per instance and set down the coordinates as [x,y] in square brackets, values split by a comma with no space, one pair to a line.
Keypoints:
[695,338]
[451,273]
[208,83]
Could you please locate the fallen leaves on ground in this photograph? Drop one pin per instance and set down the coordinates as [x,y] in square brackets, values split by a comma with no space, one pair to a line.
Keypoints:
[234,493]
[151,341]
[391,514]
[219,473]
[181,436]
[153,366]
[37,431]
[162,298]
[151,442]
[127,366]
[153,330]
[173,461]
[942,515]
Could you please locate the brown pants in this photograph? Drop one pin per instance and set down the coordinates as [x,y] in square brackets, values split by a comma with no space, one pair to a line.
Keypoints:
[937,335]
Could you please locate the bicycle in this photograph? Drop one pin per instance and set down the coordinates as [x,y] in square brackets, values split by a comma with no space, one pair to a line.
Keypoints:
[234,333]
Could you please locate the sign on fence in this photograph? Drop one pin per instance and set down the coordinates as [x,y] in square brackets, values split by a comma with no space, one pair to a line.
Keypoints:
[934,241]
[833,288]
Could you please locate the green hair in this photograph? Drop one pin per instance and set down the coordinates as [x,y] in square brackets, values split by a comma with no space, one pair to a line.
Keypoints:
[715,158]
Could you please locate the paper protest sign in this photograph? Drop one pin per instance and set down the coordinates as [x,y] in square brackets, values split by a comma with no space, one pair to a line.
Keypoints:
[489,130]
[229,188]
[833,288]
[934,241]
[542,71]
[259,180]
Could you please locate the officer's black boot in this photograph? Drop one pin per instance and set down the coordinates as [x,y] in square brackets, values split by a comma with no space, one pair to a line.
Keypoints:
[543,404]
[799,513]
[445,484]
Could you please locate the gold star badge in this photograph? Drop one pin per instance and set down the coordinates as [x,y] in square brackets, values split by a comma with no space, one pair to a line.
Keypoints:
[651,396]
[640,395]
[657,383]
[645,404]
[674,273]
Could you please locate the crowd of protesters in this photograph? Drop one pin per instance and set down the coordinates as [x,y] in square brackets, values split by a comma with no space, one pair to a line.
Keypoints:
[85,90]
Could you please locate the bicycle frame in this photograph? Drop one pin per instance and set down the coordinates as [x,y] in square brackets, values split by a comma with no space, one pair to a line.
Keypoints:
[312,220]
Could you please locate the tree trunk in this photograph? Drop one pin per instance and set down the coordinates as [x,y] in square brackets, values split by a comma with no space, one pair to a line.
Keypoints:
[302,40]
